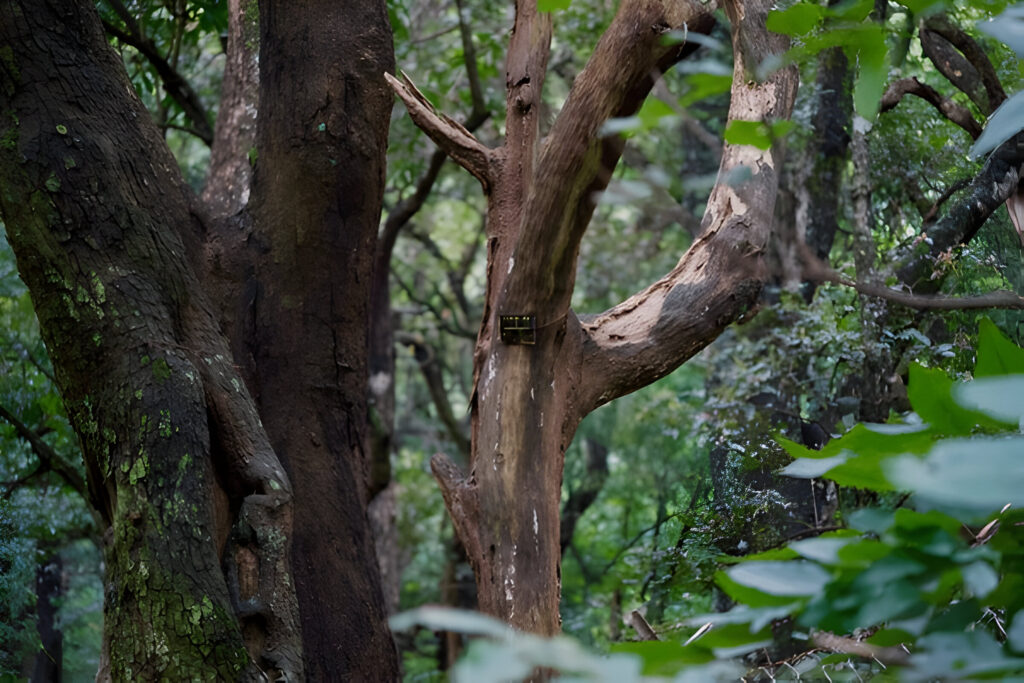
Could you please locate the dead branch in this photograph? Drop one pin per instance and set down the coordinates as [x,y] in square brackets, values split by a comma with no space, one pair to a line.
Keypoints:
[447,133]
[956,113]
[817,270]
[886,655]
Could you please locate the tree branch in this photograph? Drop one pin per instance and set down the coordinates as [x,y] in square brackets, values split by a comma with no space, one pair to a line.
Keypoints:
[447,133]
[956,113]
[576,160]
[176,84]
[818,271]
[719,278]
[997,181]
[987,78]
[48,458]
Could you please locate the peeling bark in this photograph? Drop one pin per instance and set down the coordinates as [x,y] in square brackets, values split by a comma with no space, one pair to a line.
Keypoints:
[529,400]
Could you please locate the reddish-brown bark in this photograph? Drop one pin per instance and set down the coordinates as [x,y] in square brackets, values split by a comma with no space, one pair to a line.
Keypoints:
[529,399]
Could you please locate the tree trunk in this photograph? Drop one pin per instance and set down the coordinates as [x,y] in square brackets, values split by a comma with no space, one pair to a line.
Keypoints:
[205,577]
[529,398]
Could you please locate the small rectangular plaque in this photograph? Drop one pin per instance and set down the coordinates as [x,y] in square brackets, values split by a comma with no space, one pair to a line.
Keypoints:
[518,329]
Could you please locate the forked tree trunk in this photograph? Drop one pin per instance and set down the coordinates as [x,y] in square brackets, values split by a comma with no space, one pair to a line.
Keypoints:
[234,484]
[529,398]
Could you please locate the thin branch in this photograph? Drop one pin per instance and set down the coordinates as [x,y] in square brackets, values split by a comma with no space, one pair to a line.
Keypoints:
[817,270]
[886,655]
[442,323]
[48,457]
[957,113]
[176,84]
[426,357]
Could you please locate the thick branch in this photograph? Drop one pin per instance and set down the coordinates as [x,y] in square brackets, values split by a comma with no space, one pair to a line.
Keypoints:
[447,133]
[956,113]
[719,278]
[576,161]
[971,50]
[230,176]
[992,186]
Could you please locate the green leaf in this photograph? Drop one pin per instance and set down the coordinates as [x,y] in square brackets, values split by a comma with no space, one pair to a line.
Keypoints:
[997,355]
[792,579]
[1015,634]
[663,658]
[812,468]
[873,71]
[653,111]
[552,5]
[1005,122]
[445,619]
[747,595]
[977,474]
[999,397]
[825,548]
[796,20]
[931,394]
[1008,27]
[704,85]
[754,133]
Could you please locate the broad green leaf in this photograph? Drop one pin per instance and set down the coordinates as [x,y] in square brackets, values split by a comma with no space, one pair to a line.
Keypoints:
[653,111]
[812,468]
[755,133]
[1015,634]
[703,85]
[999,397]
[1005,122]
[446,619]
[824,549]
[1008,27]
[968,653]
[796,20]
[930,393]
[552,5]
[747,595]
[980,474]
[997,355]
[980,578]
[872,72]
[663,658]
[792,579]
[853,10]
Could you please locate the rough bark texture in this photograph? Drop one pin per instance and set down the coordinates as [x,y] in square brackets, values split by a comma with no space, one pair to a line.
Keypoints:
[95,210]
[123,264]
[529,398]
[319,180]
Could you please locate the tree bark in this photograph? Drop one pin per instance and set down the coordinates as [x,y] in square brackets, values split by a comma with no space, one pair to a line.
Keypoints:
[529,399]
[132,278]
[95,215]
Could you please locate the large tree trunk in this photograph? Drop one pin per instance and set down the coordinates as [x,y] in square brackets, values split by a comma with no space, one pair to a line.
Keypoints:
[530,398]
[201,583]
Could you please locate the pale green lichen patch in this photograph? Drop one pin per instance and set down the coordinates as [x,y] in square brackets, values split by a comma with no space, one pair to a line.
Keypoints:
[164,426]
[139,469]
[161,370]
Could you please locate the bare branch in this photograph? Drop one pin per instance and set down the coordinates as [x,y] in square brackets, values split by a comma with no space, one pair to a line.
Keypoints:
[447,133]
[984,73]
[48,458]
[885,655]
[996,182]
[719,278]
[177,86]
[818,271]
[956,113]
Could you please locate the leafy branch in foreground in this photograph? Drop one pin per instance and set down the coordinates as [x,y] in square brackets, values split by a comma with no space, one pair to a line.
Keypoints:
[930,589]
